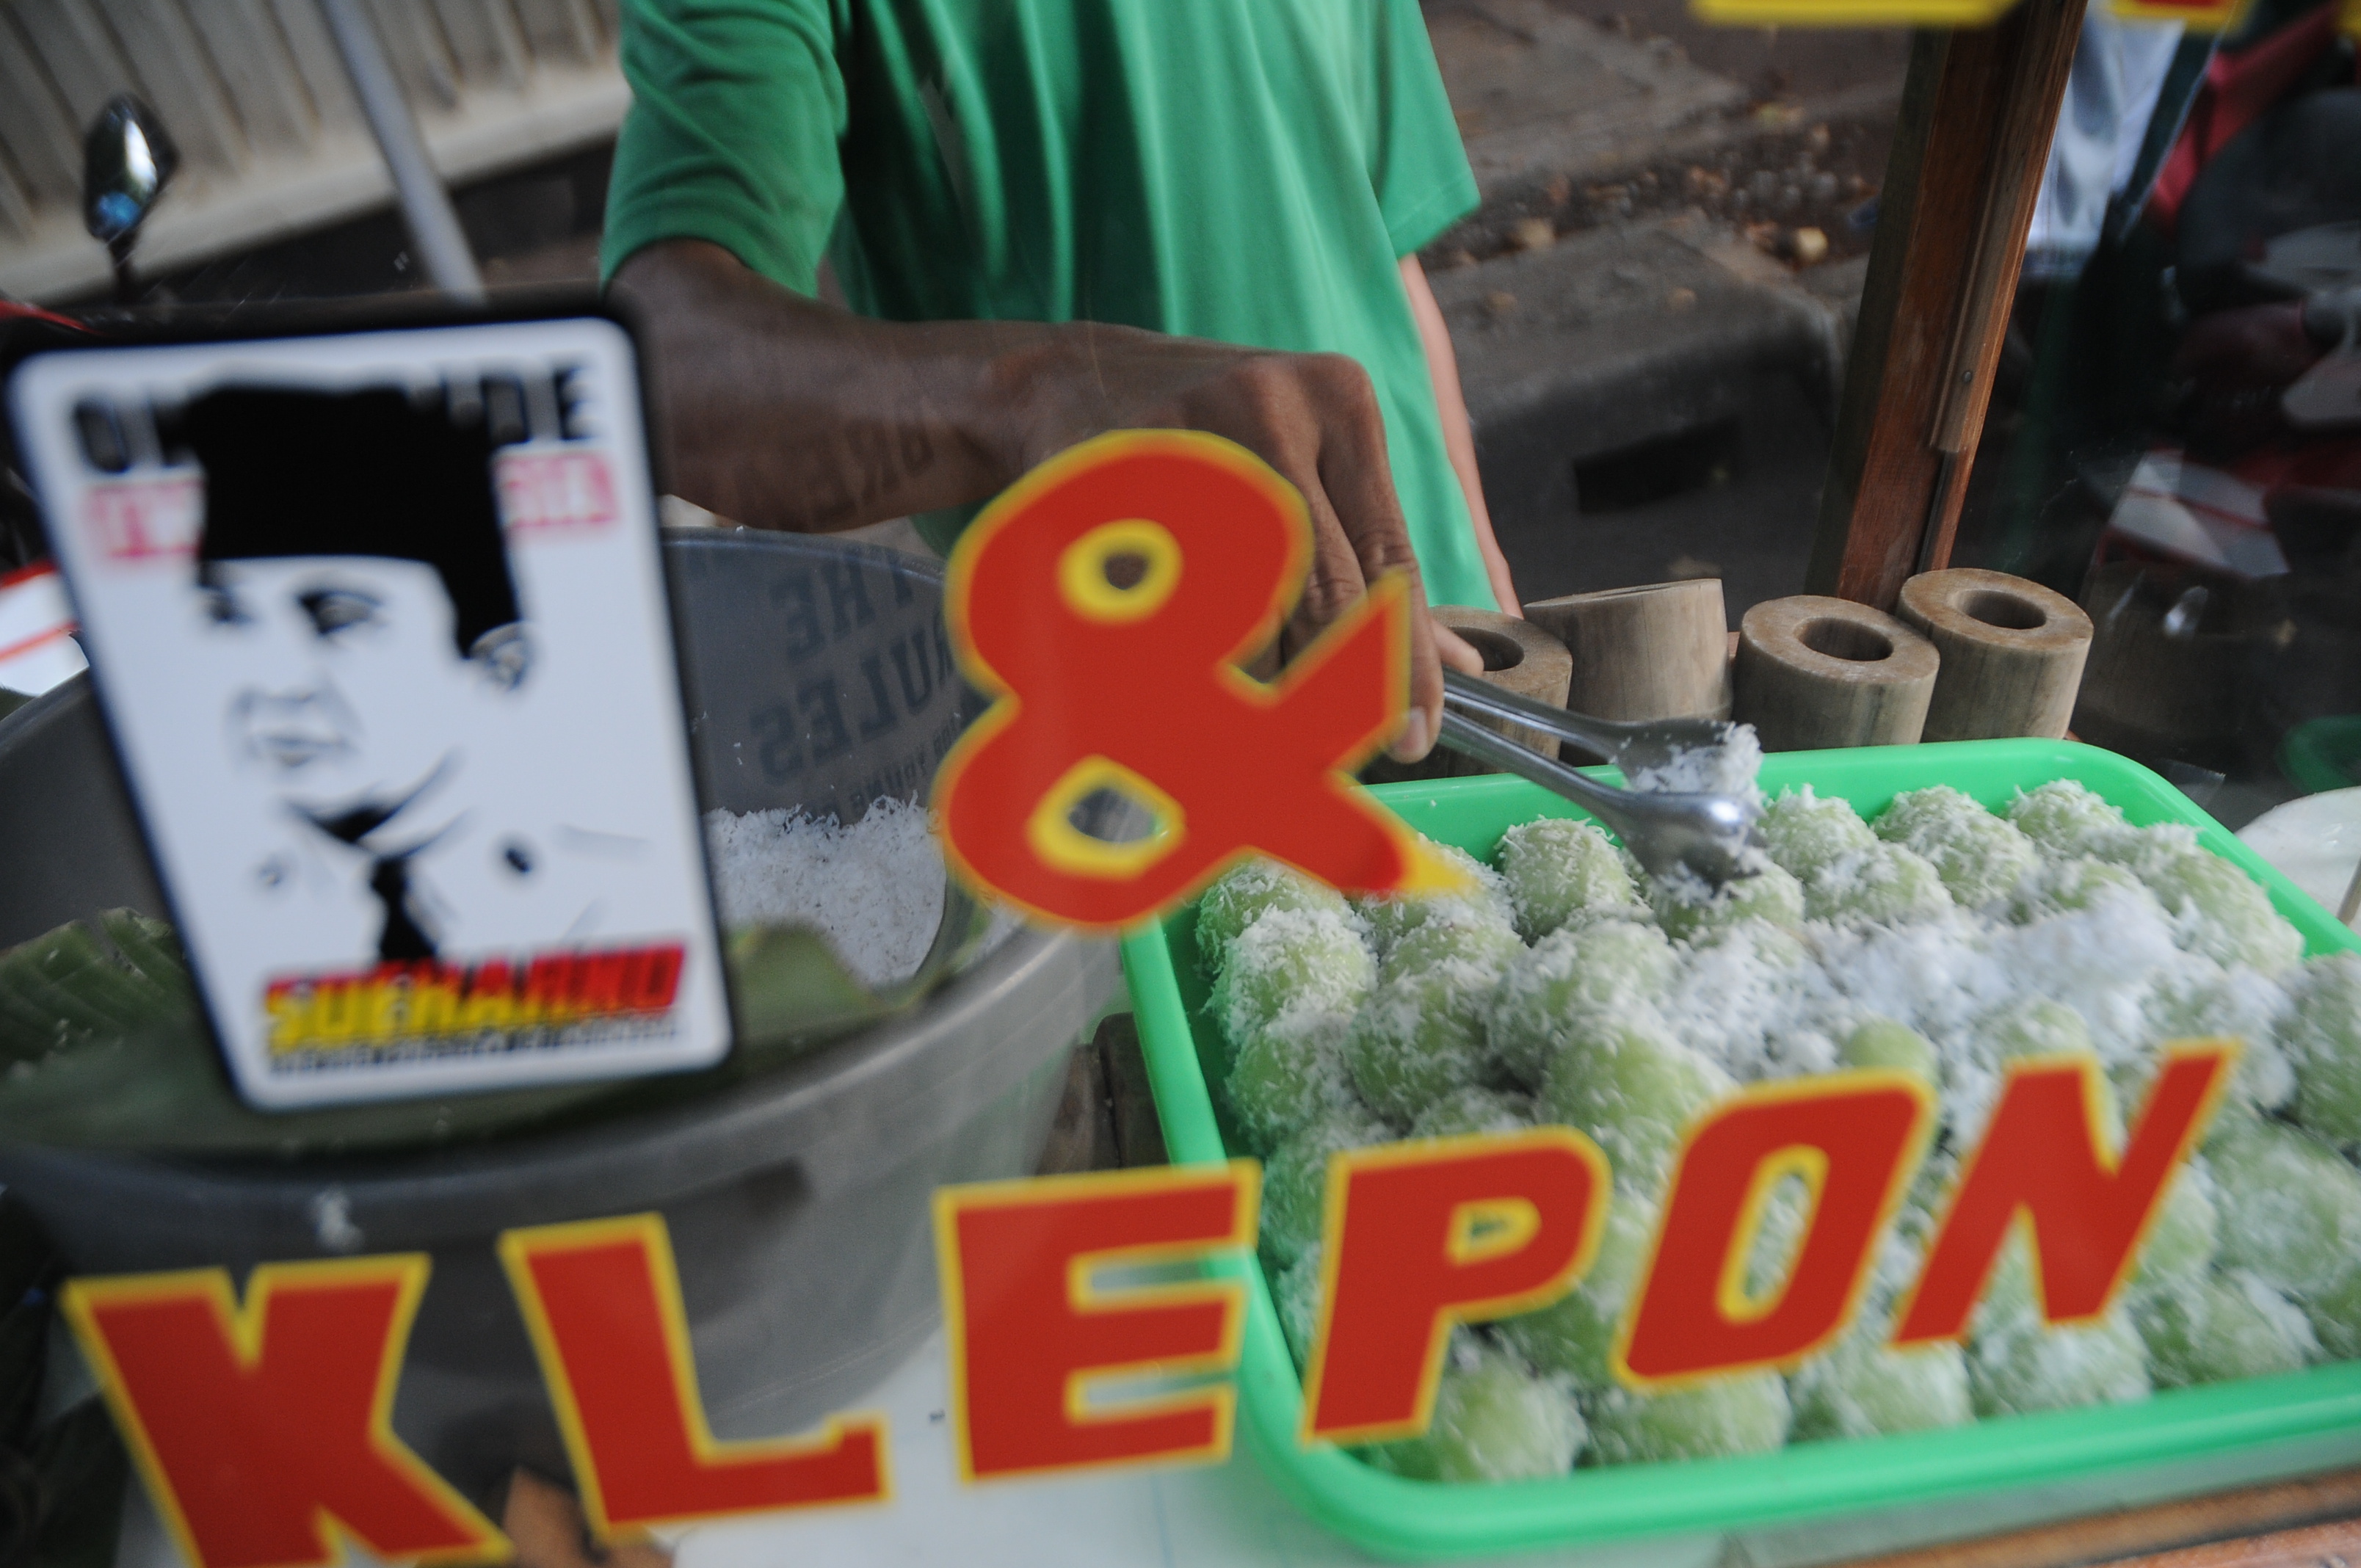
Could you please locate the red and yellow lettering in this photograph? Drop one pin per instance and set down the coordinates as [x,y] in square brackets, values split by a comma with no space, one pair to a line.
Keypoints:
[1029,1330]
[398,1001]
[1130,688]
[599,983]
[651,979]
[546,980]
[602,1301]
[1422,1236]
[434,998]
[2045,1157]
[1854,1139]
[257,1428]
[491,999]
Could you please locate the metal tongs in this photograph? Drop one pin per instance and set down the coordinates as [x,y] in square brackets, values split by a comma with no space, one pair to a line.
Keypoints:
[1708,834]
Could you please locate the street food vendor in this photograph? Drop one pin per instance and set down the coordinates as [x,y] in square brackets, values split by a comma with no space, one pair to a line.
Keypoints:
[1054,218]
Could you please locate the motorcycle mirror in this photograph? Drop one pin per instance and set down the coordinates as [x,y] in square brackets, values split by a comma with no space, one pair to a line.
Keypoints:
[128,159]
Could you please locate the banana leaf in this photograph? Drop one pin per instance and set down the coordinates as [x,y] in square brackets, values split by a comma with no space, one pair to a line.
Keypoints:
[100,1046]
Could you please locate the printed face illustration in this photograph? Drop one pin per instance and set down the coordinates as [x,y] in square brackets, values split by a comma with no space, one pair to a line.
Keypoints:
[368,719]
[345,681]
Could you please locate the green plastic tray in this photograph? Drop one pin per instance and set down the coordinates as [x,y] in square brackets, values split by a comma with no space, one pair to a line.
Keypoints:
[1805,1482]
[2323,754]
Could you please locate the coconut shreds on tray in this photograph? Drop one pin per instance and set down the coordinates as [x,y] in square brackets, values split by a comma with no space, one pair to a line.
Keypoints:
[873,890]
[1942,939]
[1730,768]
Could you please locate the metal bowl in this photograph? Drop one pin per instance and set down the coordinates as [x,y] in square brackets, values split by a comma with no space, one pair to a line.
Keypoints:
[797,1201]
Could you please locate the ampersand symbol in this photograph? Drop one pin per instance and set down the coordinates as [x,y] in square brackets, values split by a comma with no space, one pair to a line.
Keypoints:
[1103,602]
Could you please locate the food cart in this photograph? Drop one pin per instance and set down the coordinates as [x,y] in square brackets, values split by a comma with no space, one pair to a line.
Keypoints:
[1852,1207]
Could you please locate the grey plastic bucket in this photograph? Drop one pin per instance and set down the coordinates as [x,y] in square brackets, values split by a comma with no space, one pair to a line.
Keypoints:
[797,1202]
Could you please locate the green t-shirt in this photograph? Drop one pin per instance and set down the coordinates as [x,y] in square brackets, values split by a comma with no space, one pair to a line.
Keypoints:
[1247,170]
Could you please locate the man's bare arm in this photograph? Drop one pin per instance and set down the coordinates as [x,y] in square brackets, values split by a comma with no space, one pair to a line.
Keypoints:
[780,411]
[1458,439]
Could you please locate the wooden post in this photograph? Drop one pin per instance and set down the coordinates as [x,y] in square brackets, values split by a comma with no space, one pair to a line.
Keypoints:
[1969,151]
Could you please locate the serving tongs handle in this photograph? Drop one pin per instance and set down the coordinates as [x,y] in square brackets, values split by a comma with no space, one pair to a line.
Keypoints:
[1472,696]
[1709,834]
[1469,739]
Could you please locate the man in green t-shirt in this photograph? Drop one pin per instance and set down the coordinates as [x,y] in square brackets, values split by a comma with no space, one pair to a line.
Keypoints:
[1053,218]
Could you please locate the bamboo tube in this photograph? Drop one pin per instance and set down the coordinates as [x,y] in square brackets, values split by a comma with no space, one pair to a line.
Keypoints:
[2013,654]
[1518,656]
[1816,671]
[1660,650]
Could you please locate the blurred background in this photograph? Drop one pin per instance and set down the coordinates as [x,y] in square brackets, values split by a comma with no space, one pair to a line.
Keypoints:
[1652,309]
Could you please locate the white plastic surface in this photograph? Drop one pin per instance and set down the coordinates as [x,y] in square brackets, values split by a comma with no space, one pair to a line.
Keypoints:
[2315,840]
[1188,1517]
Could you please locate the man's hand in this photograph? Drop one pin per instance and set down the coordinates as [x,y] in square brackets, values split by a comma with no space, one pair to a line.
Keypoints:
[783,412]
[1312,417]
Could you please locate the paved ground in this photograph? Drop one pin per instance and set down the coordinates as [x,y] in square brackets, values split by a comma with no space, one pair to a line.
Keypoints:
[1652,306]
[1583,115]
[1775,65]
[1651,401]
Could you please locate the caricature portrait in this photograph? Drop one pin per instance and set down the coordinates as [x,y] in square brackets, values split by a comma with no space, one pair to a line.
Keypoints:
[365,634]
[380,630]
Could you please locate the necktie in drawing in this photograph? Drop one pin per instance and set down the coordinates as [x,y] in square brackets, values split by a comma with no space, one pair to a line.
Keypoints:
[404,938]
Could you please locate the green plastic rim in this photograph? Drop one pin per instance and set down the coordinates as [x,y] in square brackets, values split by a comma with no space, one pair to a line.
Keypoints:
[2323,754]
[1411,1519]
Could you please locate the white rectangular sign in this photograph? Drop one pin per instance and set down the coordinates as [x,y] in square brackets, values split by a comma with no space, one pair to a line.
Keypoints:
[378,623]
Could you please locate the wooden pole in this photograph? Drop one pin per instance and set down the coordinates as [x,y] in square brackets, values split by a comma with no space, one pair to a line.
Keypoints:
[1970,147]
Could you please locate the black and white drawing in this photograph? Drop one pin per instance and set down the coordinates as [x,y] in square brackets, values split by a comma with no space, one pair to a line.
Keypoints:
[379,628]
